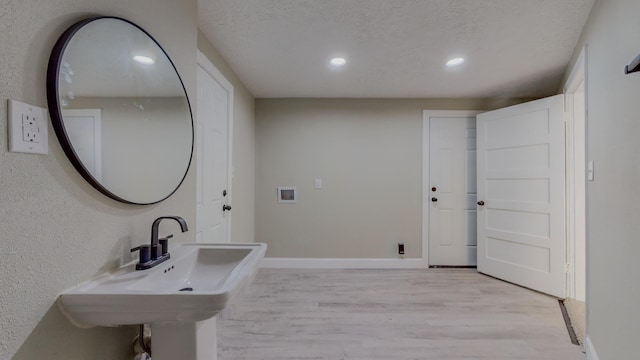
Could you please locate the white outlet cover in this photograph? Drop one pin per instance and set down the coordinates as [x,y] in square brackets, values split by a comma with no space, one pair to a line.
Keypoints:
[28,131]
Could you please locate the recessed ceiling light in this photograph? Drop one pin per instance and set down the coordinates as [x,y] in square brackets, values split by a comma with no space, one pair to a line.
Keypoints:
[338,61]
[143,60]
[455,62]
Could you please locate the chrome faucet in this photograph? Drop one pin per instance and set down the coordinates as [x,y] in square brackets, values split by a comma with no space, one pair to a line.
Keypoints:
[158,250]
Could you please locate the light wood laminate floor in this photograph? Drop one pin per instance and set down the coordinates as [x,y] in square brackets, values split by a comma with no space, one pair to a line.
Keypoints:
[390,314]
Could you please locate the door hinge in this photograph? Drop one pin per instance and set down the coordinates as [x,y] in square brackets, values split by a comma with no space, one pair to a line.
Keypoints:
[567,268]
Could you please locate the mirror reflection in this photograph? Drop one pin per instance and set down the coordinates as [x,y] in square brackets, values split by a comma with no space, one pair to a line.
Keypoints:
[121,112]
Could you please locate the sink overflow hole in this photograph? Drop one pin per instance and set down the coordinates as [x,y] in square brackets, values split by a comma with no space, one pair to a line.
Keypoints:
[186,289]
[169,268]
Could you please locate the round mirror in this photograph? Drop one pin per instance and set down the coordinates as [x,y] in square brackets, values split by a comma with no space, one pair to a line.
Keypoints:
[120,110]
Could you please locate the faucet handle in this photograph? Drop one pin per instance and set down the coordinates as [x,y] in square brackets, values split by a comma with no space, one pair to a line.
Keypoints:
[145,253]
[164,244]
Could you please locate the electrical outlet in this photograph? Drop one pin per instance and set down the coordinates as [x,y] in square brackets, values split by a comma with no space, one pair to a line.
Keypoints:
[27,128]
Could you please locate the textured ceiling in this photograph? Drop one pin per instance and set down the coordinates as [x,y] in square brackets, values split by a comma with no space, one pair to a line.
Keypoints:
[396,48]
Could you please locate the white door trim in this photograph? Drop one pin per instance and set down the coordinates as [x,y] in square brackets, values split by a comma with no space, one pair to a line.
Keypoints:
[426,203]
[207,66]
[577,77]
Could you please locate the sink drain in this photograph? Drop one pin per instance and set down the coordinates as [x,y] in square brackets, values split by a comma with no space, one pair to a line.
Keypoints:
[186,289]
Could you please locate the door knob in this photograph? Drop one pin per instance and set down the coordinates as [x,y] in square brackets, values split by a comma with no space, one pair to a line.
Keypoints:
[434,199]
[226,208]
[481,203]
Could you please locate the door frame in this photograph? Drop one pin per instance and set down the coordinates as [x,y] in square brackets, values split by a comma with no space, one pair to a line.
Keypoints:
[204,62]
[577,76]
[426,203]
[96,114]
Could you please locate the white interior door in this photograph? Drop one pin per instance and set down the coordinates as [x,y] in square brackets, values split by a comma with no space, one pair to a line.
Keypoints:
[521,182]
[84,128]
[213,204]
[452,189]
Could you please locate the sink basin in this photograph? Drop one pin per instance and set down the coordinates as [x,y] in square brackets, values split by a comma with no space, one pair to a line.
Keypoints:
[195,284]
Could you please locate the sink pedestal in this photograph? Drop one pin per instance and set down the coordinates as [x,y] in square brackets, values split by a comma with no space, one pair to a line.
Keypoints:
[186,341]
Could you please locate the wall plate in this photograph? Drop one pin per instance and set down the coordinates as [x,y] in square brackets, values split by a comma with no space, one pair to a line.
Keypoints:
[28,132]
[287,195]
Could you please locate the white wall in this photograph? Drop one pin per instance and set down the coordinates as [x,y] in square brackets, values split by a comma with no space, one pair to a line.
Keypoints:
[612,37]
[56,230]
[368,153]
[243,186]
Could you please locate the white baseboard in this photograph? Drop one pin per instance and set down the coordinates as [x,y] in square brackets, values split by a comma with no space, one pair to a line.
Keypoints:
[312,263]
[591,351]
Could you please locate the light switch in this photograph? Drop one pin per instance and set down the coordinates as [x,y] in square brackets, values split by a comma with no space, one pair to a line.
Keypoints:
[318,183]
[590,171]
[27,128]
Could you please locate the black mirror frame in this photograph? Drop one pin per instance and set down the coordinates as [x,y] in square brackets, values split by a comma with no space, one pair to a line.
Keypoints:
[55,112]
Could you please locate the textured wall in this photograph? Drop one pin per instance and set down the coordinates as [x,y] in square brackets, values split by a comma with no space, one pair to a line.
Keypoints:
[243,186]
[56,230]
[612,37]
[368,153]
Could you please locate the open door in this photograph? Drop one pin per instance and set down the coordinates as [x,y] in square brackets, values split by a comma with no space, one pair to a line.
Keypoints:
[521,199]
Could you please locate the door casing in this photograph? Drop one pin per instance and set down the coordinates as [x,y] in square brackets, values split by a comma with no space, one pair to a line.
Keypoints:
[576,178]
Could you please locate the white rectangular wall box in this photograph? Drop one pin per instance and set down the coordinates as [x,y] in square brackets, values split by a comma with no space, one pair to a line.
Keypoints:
[27,128]
[318,183]
[287,195]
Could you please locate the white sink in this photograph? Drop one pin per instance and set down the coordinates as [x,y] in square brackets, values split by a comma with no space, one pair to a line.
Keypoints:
[193,285]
